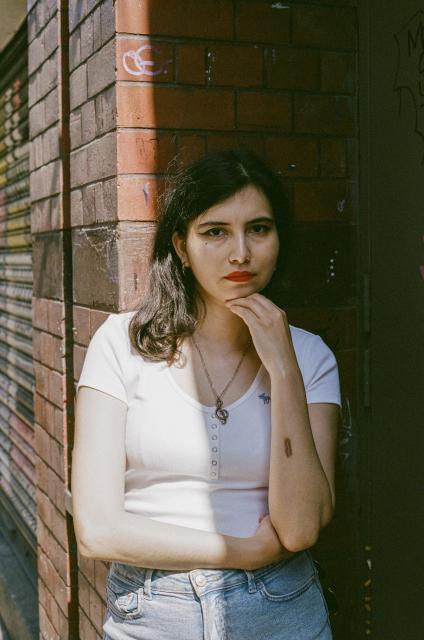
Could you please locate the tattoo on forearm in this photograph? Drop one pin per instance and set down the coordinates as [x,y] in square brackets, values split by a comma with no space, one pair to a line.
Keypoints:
[288,448]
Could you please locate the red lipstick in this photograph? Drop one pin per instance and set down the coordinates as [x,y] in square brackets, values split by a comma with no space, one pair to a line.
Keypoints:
[239,276]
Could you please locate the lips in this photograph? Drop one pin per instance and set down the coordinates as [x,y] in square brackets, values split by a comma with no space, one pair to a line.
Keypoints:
[239,276]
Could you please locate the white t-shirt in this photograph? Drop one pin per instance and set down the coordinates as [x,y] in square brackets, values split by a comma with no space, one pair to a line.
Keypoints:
[182,465]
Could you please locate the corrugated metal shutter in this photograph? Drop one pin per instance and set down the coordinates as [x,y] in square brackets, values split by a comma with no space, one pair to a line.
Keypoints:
[17,459]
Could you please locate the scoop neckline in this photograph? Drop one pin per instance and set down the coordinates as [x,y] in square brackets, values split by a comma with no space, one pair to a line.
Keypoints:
[207,408]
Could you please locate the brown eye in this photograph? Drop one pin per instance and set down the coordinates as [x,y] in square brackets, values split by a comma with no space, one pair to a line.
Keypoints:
[212,235]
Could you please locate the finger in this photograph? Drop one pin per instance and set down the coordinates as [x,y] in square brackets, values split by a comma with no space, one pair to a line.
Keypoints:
[244,312]
[252,305]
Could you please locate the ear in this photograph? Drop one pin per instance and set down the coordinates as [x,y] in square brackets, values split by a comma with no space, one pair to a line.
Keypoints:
[180,247]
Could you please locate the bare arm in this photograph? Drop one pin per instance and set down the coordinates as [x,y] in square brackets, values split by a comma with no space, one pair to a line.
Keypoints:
[105,531]
[301,484]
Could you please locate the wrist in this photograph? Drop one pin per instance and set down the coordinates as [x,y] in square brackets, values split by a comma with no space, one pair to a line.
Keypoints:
[242,553]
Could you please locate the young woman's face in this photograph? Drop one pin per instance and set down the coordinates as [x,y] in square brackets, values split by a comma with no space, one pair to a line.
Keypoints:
[236,235]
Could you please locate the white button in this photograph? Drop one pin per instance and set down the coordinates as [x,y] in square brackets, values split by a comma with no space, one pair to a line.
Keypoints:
[214,426]
[213,461]
[200,580]
[214,448]
[213,473]
[214,437]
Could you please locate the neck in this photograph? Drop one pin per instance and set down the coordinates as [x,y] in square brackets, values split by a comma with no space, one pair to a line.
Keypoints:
[221,330]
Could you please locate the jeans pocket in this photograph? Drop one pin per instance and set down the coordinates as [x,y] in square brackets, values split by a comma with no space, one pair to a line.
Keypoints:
[273,587]
[124,598]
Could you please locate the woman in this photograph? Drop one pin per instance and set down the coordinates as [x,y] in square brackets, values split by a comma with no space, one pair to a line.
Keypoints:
[206,425]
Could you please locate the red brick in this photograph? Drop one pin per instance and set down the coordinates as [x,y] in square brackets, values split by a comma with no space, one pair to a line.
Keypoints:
[190,148]
[333,157]
[81,325]
[96,320]
[56,388]
[145,151]
[234,66]
[169,107]
[79,355]
[56,318]
[293,156]
[101,571]
[324,114]
[86,629]
[323,201]
[324,26]
[338,72]
[288,68]
[252,141]
[263,21]
[190,64]
[137,197]
[337,324]
[144,60]
[191,18]
[264,111]
[97,610]
[39,313]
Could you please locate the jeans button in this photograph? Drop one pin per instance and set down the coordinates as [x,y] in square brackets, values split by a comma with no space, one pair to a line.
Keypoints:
[200,580]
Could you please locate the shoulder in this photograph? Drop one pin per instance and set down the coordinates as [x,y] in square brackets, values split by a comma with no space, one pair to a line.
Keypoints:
[308,346]
[115,331]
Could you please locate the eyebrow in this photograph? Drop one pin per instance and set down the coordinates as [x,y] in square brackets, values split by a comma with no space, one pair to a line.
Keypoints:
[211,222]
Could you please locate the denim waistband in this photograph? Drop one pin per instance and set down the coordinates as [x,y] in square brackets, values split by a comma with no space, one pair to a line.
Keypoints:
[298,566]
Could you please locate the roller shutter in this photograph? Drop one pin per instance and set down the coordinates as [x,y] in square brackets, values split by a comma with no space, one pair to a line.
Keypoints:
[17,459]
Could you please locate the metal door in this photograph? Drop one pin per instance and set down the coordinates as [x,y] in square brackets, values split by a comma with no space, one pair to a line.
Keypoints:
[392,256]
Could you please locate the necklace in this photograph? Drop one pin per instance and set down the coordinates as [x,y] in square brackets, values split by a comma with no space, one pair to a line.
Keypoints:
[220,413]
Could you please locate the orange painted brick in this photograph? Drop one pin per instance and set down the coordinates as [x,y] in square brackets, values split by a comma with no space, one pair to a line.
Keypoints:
[191,18]
[174,107]
[293,156]
[318,201]
[263,21]
[289,68]
[145,151]
[324,26]
[190,63]
[234,66]
[144,60]
[264,111]
[137,197]
[324,114]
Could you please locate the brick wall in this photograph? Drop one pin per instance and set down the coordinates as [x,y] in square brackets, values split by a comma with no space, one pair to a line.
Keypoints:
[148,82]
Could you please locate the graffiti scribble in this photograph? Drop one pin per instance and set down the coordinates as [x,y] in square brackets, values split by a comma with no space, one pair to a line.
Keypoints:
[136,65]
[410,69]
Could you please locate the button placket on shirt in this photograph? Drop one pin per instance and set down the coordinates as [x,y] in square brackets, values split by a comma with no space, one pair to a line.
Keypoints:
[214,447]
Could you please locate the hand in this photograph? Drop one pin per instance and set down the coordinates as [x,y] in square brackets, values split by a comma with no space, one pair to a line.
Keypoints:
[265,546]
[270,331]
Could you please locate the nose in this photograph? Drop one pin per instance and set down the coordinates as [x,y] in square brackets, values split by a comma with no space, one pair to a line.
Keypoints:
[240,251]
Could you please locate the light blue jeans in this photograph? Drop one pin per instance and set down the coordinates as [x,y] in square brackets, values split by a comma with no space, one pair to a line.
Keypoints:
[280,601]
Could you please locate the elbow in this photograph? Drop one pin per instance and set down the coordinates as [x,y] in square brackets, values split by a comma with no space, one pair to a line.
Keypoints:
[297,543]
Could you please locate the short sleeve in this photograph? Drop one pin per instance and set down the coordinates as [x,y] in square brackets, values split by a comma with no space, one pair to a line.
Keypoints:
[320,372]
[103,366]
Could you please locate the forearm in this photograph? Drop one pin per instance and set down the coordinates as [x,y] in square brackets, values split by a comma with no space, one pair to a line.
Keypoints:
[300,501]
[141,541]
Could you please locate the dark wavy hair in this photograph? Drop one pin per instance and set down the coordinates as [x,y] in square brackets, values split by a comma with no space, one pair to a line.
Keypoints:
[169,311]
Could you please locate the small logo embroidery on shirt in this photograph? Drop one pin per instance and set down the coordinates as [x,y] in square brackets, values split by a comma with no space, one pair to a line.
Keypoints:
[265,397]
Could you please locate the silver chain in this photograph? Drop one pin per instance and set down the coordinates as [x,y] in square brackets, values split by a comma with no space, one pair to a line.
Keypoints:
[220,413]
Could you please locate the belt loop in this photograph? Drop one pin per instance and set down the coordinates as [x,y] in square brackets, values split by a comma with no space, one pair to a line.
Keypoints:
[147,584]
[251,580]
